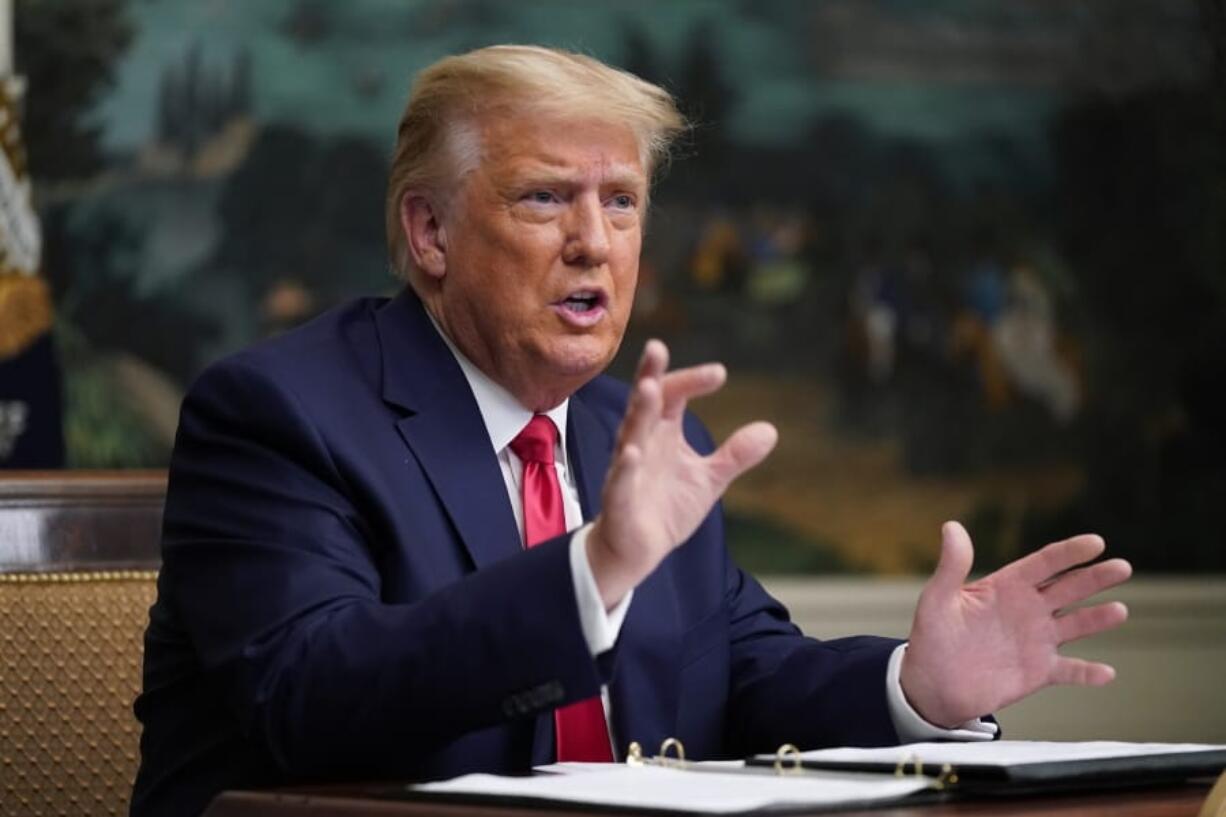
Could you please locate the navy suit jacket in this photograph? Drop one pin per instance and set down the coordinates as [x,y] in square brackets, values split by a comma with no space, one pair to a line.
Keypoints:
[343,591]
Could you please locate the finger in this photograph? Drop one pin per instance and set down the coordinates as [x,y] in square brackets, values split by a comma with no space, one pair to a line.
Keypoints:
[957,556]
[642,414]
[1044,564]
[628,459]
[654,360]
[652,364]
[620,480]
[1080,584]
[745,448]
[1087,621]
[1079,672]
[685,384]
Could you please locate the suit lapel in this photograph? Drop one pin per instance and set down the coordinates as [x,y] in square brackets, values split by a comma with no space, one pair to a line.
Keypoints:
[590,445]
[645,686]
[443,428]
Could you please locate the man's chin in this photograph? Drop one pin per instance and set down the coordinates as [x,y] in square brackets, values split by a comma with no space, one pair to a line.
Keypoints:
[581,359]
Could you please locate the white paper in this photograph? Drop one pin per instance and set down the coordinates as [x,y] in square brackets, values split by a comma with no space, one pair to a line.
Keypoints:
[578,767]
[710,792]
[1004,753]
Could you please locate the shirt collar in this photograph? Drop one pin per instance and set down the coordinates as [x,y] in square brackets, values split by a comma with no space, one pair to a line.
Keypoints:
[503,415]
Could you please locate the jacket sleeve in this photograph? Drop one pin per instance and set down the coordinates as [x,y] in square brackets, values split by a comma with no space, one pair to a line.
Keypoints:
[785,687]
[789,688]
[272,573]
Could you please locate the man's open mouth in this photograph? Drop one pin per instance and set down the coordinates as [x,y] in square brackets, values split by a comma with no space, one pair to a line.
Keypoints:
[583,301]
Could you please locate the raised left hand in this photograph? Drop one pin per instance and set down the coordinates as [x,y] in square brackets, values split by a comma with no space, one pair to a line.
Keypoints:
[659,489]
[977,647]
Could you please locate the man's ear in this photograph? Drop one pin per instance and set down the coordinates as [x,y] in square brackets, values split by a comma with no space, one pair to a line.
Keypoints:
[424,233]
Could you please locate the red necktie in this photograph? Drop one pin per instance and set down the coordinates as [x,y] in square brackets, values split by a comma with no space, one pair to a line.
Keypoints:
[580,727]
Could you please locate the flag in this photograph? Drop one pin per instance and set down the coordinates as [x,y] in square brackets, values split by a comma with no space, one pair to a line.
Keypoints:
[31,433]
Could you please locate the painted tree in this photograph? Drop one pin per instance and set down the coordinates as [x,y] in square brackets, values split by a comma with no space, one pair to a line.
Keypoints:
[68,51]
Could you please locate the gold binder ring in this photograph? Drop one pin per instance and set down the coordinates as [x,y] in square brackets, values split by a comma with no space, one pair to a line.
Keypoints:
[634,754]
[672,743]
[947,777]
[913,760]
[787,759]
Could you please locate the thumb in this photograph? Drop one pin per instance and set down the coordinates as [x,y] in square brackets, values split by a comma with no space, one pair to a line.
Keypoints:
[747,447]
[957,556]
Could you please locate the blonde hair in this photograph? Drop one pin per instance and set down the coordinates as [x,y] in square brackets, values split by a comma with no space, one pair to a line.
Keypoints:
[437,143]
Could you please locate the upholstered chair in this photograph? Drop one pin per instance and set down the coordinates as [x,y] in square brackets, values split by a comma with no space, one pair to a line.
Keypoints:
[78,566]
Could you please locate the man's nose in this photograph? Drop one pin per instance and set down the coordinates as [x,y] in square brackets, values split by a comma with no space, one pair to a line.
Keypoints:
[587,233]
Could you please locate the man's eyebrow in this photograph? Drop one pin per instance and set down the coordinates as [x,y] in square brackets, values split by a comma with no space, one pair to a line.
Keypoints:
[625,177]
[543,173]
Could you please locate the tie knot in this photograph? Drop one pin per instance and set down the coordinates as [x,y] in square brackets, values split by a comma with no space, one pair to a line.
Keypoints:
[535,443]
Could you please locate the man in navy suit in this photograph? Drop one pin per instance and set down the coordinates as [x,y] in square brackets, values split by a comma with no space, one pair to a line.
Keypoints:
[346,590]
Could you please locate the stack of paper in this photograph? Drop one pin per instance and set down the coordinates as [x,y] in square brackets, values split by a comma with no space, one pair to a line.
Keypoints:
[844,777]
[692,790]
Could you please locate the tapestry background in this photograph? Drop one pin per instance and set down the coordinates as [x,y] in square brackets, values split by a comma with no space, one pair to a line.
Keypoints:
[970,257]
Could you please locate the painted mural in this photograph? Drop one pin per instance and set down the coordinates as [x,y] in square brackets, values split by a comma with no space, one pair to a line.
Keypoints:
[970,257]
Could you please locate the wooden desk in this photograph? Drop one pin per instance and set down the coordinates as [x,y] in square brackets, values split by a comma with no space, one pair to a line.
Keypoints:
[1176,801]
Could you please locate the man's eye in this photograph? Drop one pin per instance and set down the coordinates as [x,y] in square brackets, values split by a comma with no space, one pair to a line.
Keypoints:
[623,201]
[540,197]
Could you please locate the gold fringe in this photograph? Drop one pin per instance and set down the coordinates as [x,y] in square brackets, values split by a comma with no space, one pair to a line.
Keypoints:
[25,312]
[64,577]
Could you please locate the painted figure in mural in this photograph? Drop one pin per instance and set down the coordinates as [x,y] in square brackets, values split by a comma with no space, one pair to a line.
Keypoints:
[30,421]
[425,535]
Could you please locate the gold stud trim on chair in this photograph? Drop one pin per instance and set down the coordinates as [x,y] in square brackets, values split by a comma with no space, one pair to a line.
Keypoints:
[92,576]
[71,646]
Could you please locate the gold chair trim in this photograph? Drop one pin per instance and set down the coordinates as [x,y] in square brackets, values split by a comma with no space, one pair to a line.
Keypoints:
[65,577]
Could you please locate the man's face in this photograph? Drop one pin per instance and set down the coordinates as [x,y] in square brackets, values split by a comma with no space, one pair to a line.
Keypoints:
[542,251]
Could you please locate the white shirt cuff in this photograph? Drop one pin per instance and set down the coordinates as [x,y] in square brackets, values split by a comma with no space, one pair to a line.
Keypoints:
[908,723]
[600,627]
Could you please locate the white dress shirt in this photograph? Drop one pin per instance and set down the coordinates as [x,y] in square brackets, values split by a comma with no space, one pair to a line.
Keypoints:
[504,418]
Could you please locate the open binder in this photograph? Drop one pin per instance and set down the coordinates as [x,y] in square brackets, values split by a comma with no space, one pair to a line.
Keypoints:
[1009,767]
[791,781]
